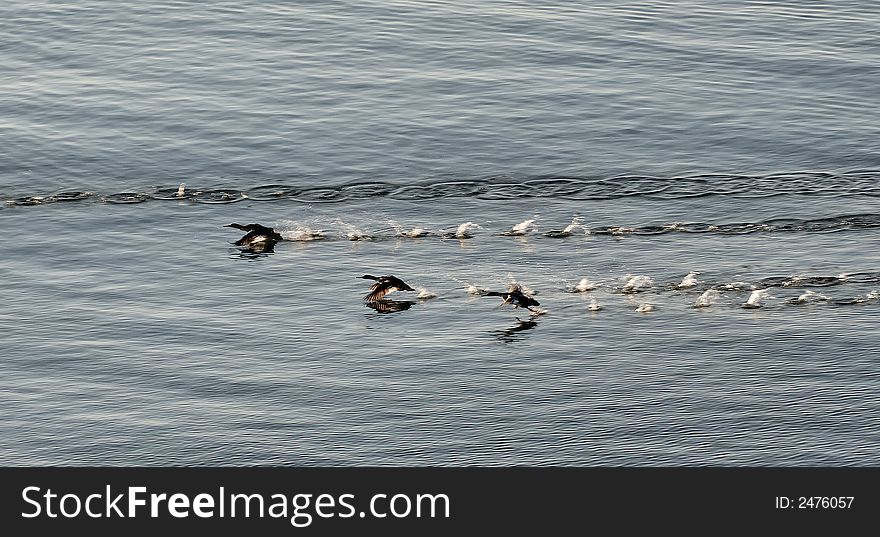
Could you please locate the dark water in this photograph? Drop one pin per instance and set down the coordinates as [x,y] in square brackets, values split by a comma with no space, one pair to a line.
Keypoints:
[666,154]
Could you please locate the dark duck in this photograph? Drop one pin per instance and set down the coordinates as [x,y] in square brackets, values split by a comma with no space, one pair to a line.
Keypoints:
[257,236]
[383,286]
[515,296]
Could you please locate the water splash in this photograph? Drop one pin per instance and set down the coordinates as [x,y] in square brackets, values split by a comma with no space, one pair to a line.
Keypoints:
[521,229]
[809,297]
[473,290]
[352,232]
[302,233]
[416,232]
[755,299]
[690,280]
[574,225]
[584,286]
[637,284]
[513,284]
[707,298]
[569,229]
[470,288]
[463,231]
[425,294]
[413,233]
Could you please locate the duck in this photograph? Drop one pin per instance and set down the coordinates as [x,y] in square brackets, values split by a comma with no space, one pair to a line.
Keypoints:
[257,235]
[383,286]
[515,296]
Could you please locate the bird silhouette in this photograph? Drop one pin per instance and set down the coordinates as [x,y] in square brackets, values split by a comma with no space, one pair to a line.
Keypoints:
[383,286]
[257,235]
[515,296]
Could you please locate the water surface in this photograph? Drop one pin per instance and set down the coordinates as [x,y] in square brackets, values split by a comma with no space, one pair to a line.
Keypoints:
[733,140]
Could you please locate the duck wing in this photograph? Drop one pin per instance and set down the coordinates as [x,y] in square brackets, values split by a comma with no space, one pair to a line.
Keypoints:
[379,290]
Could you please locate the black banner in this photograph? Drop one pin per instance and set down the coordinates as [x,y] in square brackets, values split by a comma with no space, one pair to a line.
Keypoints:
[408,501]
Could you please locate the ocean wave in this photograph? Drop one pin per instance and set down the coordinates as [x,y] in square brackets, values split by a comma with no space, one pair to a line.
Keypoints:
[850,183]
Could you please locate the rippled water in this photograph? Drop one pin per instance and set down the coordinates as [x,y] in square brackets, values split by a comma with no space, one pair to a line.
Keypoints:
[691,189]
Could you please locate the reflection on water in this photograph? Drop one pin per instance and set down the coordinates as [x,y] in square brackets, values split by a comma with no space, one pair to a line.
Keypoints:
[257,251]
[512,334]
[389,306]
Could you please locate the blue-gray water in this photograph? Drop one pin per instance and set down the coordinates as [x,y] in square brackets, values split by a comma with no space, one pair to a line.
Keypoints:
[736,140]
